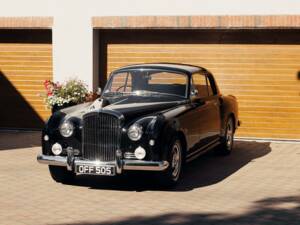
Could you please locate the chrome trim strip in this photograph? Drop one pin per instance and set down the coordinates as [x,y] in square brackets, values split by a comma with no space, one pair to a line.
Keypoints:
[145,165]
[125,164]
[190,158]
[203,147]
[129,155]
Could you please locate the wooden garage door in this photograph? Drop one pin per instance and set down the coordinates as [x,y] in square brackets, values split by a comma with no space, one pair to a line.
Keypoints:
[262,76]
[25,62]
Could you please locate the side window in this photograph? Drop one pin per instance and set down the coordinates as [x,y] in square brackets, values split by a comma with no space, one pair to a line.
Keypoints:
[199,84]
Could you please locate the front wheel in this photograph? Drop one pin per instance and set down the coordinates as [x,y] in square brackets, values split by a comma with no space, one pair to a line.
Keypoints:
[227,141]
[61,174]
[172,174]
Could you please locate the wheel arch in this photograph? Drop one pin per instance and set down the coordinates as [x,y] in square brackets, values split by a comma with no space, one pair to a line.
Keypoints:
[169,131]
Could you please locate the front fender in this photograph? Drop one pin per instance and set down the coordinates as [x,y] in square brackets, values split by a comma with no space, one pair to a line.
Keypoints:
[162,131]
[51,129]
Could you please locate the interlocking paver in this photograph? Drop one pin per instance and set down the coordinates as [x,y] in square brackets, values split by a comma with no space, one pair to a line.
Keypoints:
[258,184]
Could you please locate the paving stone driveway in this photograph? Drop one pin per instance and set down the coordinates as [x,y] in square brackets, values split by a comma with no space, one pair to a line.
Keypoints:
[259,184]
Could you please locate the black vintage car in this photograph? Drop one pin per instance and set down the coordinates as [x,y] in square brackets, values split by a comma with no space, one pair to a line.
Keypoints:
[152,117]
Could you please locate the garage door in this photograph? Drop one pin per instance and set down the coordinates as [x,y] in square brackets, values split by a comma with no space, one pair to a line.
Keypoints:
[25,62]
[264,78]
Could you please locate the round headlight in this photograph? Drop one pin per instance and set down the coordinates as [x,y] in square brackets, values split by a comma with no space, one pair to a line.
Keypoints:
[56,149]
[135,132]
[66,129]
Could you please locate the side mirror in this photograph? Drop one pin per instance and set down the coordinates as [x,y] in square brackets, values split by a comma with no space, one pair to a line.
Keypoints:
[99,90]
[194,93]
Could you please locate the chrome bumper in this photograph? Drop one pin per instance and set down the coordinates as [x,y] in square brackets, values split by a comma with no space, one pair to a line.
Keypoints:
[122,164]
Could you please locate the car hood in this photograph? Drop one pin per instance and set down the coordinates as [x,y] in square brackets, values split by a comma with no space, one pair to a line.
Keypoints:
[130,107]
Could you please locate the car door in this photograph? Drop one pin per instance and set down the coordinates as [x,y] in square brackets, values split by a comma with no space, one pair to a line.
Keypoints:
[205,115]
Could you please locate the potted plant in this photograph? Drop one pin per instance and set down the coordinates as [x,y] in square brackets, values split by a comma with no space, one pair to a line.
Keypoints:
[72,92]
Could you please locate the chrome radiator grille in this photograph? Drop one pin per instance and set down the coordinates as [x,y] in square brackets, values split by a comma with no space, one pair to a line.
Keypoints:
[101,136]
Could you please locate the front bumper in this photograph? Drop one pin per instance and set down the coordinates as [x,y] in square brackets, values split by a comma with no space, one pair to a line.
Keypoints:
[121,164]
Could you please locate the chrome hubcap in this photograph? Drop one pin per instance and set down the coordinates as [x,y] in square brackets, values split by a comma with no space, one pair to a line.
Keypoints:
[176,160]
[229,135]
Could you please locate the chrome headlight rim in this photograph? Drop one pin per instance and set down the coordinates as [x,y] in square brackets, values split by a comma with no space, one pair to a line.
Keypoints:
[135,132]
[66,129]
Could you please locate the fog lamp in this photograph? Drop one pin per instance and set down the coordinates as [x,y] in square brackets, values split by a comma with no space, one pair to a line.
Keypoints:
[56,149]
[140,152]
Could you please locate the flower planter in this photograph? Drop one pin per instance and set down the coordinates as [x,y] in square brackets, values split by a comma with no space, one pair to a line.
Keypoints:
[73,91]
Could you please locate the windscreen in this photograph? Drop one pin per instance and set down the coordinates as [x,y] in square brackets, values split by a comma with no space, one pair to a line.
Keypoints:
[147,81]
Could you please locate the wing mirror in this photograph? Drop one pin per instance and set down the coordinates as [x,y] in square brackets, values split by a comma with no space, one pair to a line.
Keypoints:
[194,93]
[195,99]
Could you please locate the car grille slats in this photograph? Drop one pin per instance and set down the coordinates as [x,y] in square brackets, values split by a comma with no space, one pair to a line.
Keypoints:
[101,136]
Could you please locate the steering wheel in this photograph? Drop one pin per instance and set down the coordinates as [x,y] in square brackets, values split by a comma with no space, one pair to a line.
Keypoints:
[118,89]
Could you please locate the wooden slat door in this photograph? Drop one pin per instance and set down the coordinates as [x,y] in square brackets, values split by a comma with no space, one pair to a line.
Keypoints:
[23,69]
[263,77]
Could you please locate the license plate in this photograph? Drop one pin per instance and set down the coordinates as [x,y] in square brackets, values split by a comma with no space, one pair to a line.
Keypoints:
[96,170]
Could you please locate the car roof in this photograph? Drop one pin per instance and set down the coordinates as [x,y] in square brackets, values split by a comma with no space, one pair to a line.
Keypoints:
[166,66]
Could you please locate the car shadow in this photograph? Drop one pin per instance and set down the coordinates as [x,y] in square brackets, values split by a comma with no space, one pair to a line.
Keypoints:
[207,170]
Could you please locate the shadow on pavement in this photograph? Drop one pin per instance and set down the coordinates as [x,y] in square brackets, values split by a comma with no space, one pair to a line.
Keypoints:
[10,140]
[270,211]
[204,171]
